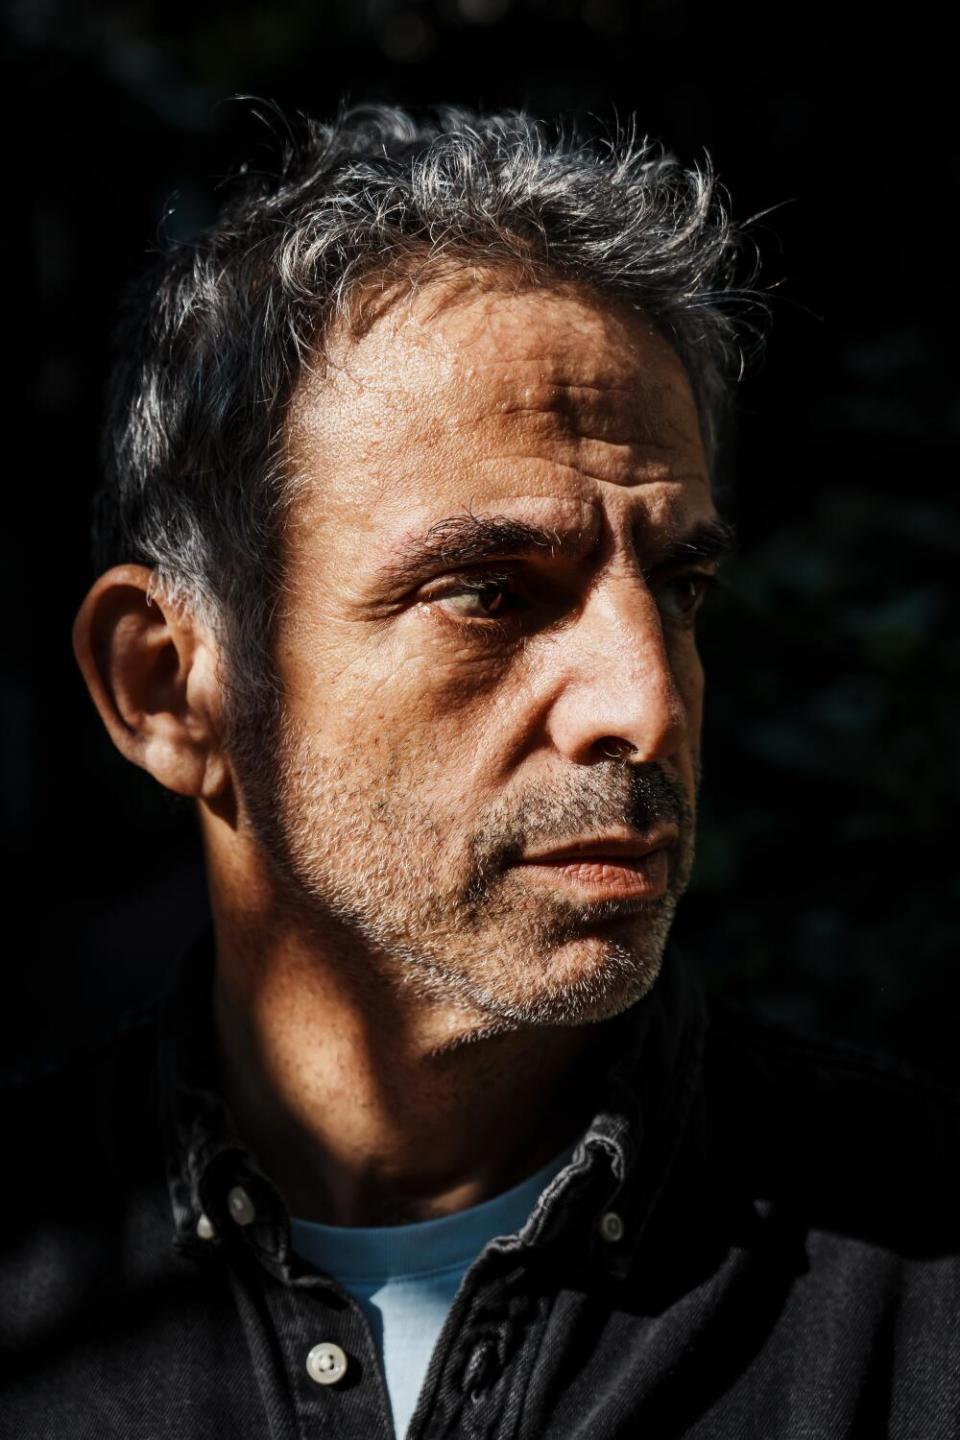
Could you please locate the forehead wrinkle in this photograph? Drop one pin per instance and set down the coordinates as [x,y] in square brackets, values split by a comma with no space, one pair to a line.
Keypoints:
[643,411]
[622,450]
[553,388]
[655,473]
[557,391]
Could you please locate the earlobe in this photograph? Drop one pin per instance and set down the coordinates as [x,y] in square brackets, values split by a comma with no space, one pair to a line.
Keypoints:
[148,673]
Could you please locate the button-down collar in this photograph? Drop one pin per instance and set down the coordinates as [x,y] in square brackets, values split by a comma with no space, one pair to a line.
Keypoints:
[618,1168]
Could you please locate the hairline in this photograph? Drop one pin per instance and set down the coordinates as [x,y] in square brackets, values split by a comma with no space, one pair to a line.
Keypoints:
[452,281]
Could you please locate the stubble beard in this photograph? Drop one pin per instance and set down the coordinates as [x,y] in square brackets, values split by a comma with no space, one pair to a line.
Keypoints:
[450,920]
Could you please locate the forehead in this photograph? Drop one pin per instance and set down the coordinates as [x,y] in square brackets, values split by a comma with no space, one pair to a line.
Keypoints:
[524,401]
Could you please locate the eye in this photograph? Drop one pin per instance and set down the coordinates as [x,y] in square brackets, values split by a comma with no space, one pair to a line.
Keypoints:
[680,596]
[489,598]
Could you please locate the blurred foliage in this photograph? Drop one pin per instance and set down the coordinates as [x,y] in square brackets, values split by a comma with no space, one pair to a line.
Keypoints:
[825,887]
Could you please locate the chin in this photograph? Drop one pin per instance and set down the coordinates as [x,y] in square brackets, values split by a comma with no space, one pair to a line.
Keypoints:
[585,983]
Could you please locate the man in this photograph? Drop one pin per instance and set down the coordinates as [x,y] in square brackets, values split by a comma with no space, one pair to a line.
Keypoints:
[406,525]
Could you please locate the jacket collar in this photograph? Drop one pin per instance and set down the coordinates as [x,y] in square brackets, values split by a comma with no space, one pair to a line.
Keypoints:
[645,1101]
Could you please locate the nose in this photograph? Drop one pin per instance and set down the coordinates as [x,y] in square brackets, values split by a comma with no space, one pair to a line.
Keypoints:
[618,695]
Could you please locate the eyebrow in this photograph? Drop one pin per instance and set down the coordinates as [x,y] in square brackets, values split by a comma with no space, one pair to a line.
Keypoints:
[470,539]
[713,539]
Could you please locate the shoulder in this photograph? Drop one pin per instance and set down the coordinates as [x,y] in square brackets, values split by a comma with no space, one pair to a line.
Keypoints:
[857,1138]
[743,1039]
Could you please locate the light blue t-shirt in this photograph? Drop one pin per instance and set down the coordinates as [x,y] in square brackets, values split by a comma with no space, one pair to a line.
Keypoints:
[406,1276]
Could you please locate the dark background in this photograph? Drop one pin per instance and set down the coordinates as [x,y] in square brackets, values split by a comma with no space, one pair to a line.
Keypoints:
[826,889]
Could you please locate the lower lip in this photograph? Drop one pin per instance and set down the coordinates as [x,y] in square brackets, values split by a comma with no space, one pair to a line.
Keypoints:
[605,877]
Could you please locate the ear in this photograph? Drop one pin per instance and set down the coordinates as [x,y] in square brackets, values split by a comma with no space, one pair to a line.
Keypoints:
[151,670]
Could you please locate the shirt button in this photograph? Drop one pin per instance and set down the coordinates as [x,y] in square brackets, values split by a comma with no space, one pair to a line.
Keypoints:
[326,1363]
[611,1227]
[205,1228]
[241,1206]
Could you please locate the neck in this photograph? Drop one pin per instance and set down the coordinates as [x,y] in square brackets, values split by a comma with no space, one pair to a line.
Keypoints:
[368,1106]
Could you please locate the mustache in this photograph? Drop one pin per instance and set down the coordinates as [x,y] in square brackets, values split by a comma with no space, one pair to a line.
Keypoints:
[605,795]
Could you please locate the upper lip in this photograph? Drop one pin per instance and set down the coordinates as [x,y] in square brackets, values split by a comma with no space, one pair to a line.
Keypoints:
[621,846]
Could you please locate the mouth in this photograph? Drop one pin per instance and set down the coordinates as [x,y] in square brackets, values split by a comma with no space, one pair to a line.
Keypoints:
[623,866]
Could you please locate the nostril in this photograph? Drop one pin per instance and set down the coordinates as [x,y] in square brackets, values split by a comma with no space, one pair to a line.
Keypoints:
[614,748]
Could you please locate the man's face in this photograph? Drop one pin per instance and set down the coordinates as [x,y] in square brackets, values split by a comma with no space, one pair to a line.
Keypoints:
[491,684]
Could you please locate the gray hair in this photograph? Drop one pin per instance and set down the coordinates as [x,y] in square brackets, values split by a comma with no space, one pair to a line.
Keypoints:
[213,340]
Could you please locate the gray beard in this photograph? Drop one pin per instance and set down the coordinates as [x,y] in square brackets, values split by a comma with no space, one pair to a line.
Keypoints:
[361,865]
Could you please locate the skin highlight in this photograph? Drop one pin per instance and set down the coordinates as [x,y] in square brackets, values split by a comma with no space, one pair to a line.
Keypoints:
[487,650]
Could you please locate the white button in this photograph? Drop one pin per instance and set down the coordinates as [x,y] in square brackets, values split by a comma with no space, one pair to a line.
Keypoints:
[326,1363]
[241,1206]
[611,1226]
[205,1228]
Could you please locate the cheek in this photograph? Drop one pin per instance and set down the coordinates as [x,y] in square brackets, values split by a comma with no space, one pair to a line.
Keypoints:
[426,712]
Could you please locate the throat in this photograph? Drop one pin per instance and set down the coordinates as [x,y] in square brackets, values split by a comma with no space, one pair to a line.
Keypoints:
[356,1132]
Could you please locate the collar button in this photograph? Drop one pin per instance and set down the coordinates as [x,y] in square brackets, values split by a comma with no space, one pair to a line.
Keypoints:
[241,1207]
[326,1363]
[206,1229]
[611,1227]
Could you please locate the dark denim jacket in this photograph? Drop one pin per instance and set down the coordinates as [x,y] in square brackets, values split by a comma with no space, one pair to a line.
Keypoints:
[783,1258]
